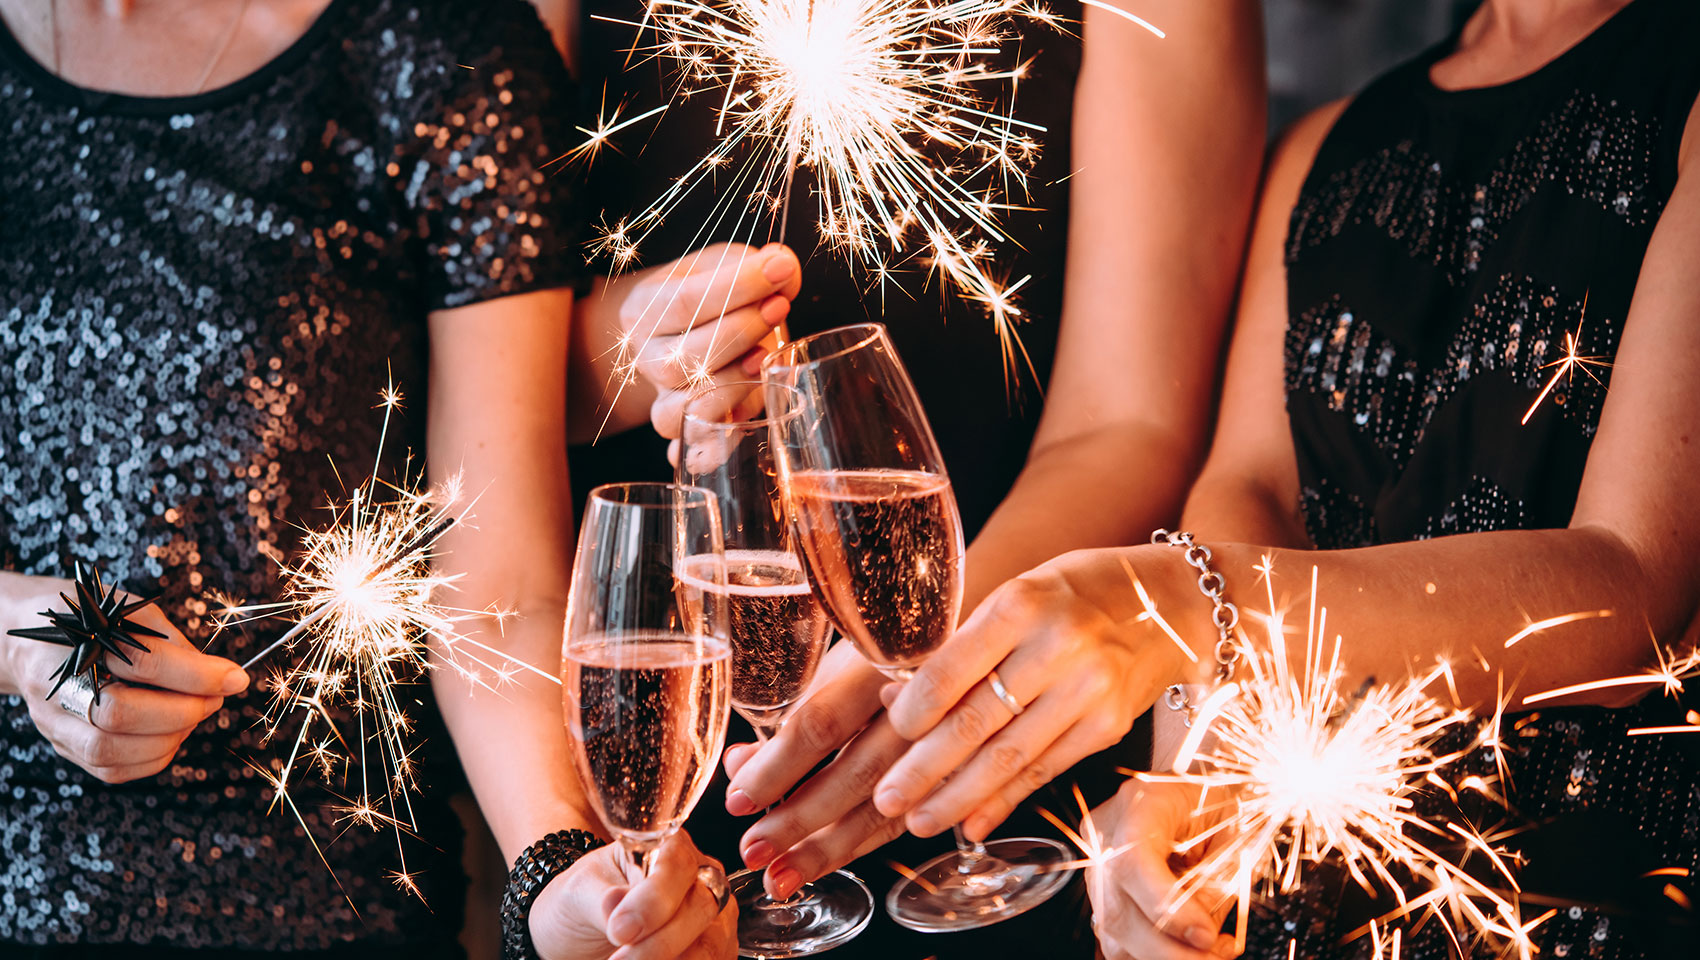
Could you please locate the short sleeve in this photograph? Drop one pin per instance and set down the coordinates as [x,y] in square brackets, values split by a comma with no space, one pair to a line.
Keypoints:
[494,216]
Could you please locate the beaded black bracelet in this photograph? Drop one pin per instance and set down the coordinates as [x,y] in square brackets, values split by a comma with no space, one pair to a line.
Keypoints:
[541,862]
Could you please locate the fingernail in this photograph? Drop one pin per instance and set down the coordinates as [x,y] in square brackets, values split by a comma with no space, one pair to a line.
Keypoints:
[779,266]
[752,363]
[235,681]
[624,929]
[739,804]
[889,692]
[784,882]
[774,310]
[889,802]
[923,824]
[758,854]
[1200,937]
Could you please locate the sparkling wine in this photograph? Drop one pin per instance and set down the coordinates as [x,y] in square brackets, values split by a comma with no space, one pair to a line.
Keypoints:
[778,629]
[647,714]
[884,550]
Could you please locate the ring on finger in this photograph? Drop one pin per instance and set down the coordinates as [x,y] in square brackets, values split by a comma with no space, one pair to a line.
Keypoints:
[77,696]
[1002,693]
[714,879]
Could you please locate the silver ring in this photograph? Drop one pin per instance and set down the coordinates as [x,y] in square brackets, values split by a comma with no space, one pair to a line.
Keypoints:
[76,697]
[714,879]
[1002,693]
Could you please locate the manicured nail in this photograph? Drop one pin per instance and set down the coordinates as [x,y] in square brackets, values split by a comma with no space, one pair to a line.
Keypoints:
[889,802]
[759,854]
[753,362]
[739,804]
[235,681]
[779,267]
[784,882]
[923,824]
[889,692]
[1200,937]
[774,310]
[624,929]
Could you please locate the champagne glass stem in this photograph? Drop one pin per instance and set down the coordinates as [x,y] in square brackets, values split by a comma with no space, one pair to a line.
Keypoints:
[972,851]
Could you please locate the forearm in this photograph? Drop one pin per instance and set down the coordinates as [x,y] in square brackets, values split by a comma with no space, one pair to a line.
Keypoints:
[1244,512]
[1100,488]
[512,735]
[1396,608]
[604,398]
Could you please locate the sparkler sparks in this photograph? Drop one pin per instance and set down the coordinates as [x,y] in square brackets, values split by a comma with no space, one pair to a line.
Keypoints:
[1297,773]
[364,598]
[1567,365]
[888,102]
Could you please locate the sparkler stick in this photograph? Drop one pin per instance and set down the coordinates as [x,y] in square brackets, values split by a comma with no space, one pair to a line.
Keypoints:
[888,102]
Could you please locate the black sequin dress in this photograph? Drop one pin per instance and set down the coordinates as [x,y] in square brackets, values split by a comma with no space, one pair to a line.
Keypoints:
[1442,248]
[200,300]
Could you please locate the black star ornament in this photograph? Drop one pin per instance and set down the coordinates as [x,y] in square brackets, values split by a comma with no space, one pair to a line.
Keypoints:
[96,624]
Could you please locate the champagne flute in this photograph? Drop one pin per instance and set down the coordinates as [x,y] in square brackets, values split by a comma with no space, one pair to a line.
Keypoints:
[778,632]
[881,539]
[646,665]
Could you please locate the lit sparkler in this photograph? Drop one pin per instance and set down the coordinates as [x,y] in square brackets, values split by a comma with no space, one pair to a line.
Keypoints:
[1295,773]
[364,598]
[889,102]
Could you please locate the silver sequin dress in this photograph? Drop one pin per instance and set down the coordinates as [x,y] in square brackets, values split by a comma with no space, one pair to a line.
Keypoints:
[200,299]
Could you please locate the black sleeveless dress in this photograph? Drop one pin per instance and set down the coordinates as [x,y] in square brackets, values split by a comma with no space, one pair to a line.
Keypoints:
[951,352]
[200,300]
[1443,247]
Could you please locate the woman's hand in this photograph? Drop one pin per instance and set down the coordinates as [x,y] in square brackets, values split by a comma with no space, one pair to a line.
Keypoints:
[1072,644]
[830,820]
[1129,893]
[704,318]
[592,912]
[145,712]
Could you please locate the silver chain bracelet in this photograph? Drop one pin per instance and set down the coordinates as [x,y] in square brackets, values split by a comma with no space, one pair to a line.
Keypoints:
[1223,614]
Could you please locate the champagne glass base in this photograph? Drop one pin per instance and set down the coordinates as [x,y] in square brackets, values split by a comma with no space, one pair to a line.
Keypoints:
[953,892]
[819,916]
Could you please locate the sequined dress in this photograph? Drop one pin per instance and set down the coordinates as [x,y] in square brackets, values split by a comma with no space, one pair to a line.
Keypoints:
[200,299]
[1443,248]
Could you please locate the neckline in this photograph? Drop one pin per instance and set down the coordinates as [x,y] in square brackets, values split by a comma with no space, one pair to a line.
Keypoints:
[1564,61]
[52,85]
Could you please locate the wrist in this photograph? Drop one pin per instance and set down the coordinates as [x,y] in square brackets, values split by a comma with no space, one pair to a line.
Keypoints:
[534,868]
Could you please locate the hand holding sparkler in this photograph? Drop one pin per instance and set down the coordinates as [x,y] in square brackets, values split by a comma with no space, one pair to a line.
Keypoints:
[702,320]
[1129,879]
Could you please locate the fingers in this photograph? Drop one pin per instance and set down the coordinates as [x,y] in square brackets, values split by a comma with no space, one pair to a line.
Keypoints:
[112,757]
[667,413]
[647,907]
[127,709]
[177,666]
[681,931]
[1125,931]
[963,661]
[843,787]
[1048,739]
[714,282]
[824,722]
[852,836]
[673,363]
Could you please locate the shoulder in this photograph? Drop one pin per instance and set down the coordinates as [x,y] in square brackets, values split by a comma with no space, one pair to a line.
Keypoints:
[1296,149]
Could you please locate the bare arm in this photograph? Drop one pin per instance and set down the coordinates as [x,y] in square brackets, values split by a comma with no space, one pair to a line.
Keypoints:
[1071,627]
[497,417]
[1166,174]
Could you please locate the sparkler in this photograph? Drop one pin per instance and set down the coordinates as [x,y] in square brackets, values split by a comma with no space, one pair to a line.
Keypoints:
[1298,773]
[364,597]
[888,102]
